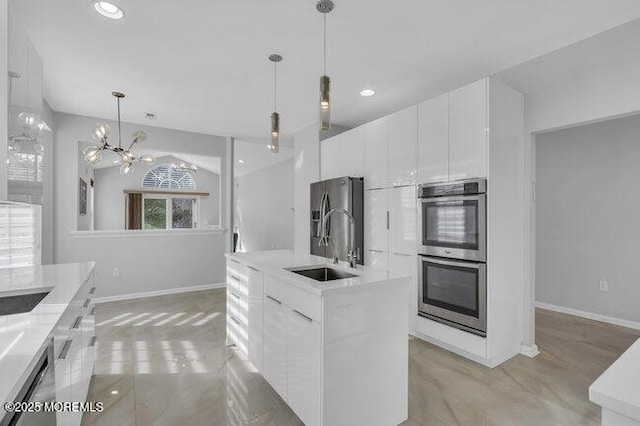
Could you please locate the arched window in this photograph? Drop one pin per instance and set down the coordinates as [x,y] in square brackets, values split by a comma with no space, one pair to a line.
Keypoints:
[167,176]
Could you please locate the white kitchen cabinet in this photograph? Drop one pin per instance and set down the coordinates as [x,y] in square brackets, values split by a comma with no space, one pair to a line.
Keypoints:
[468,128]
[402,220]
[402,264]
[237,322]
[335,356]
[352,153]
[376,154]
[376,220]
[330,157]
[255,302]
[74,352]
[433,145]
[402,145]
[304,348]
[274,344]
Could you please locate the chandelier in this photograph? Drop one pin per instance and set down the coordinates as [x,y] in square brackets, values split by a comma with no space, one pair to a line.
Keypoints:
[93,154]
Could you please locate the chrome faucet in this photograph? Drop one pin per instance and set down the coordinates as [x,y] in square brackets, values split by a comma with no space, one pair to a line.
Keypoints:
[352,253]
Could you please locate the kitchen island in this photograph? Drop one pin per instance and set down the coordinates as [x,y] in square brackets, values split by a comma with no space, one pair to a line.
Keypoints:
[617,390]
[59,327]
[337,350]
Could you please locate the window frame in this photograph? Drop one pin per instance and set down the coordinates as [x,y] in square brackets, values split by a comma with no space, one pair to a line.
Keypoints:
[170,170]
[169,210]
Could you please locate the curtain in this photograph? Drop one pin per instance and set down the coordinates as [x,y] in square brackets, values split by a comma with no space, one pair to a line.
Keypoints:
[134,211]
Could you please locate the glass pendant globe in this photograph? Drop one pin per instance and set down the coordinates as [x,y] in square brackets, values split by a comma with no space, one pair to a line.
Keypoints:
[92,154]
[147,159]
[100,133]
[126,169]
[139,136]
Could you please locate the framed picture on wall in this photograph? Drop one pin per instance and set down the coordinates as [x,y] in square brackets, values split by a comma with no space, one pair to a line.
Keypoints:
[83,197]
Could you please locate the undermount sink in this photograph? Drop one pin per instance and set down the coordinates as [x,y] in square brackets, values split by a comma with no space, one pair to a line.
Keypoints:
[322,274]
[21,303]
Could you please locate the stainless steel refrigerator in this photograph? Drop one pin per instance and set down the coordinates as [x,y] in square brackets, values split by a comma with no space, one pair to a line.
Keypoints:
[347,193]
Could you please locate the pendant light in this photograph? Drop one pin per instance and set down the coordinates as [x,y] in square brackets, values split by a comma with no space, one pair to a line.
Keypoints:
[93,154]
[324,7]
[275,117]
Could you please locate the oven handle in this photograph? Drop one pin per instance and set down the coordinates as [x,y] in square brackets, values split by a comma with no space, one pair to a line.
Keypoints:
[443,200]
[462,264]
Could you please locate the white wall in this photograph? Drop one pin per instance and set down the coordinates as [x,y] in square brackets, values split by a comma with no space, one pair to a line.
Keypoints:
[147,262]
[4,95]
[264,203]
[306,170]
[587,226]
[110,198]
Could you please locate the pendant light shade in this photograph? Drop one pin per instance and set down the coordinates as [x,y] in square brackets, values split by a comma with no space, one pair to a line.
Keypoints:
[274,146]
[275,132]
[325,103]
[324,7]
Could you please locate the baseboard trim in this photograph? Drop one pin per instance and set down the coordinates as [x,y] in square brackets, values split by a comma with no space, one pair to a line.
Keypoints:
[164,292]
[451,348]
[589,315]
[530,351]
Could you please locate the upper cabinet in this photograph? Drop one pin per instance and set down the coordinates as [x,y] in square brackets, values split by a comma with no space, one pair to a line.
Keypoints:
[468,127]
[402,145]
[453,133]
[352,156]
[330,153]
[440,140]
[342,155]
[375,154]
[433,147]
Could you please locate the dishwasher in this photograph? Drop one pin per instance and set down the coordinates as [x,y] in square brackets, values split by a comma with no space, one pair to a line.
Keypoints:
[40,387]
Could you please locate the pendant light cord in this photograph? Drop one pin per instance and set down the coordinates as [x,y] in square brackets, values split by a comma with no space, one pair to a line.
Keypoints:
[324,15]
[275,87]
[119,129]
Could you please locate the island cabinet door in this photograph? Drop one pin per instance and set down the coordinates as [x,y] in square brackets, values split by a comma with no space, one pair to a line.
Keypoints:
[255,290]
[274,344]
[304,367]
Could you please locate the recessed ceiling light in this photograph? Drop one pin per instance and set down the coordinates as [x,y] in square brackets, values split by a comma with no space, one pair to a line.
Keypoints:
[108,10]
[367,92]
[114,392]
[241,161]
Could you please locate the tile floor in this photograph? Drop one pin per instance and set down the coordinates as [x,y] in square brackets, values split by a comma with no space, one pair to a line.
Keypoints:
[163,361]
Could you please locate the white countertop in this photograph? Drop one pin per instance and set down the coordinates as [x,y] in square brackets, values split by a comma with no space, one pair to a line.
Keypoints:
[274,262]
[618,388]
[24,336]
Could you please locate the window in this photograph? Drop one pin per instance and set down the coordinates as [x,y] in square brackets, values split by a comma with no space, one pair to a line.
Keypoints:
[24,167]
[167,176]
[165,212]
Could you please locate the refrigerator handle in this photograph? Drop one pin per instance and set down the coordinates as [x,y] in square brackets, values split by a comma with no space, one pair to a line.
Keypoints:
[322,213]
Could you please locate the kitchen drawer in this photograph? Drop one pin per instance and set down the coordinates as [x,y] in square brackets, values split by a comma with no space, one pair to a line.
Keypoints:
[296,298]
[236,268]
[237,305]
[236,283]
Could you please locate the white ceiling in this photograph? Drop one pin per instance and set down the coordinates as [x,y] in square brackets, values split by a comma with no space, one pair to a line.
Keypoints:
[615,47]
[202,65]
[256,156]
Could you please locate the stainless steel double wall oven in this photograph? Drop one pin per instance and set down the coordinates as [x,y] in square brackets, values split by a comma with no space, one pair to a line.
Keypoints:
[452,235]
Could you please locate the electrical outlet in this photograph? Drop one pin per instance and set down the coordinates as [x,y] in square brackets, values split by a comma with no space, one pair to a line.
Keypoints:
[116,272]
[603,286]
